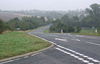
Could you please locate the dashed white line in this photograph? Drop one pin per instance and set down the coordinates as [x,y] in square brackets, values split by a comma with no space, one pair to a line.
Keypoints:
[69,34]
[93,43]
[53,35]
[61,39]
[65,40]
[76,39]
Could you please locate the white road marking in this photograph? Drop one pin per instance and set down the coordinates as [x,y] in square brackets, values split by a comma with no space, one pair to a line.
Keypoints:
[87,42]
[43,39]
[92,59]
[73,55]
[65,40]
[85,36]
[91,63]
[69,34]
[61,39]
[53,35]
[93,43]
[6,61]
[70,50]
[17,59]
[36,54]
[32,55]
[26,57]
[76,39]
[79,36]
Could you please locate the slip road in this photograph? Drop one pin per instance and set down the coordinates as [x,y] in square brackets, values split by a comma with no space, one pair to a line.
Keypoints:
[68,49]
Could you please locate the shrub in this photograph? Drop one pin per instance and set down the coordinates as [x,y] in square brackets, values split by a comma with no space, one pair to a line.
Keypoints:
[98,30]
[77,29]
[2,28]
[58,27]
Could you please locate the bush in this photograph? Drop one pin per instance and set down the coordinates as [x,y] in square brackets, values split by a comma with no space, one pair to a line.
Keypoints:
[2,28]
[58,27]
[25,23]
[70,29]
[77,29]
[98,30]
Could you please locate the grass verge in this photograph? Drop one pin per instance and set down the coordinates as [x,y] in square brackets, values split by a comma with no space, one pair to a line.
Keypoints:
[88,32]
[17,43]
[46,31]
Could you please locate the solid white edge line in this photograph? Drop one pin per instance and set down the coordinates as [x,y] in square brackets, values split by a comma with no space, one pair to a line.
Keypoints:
[7,61]
[26,57]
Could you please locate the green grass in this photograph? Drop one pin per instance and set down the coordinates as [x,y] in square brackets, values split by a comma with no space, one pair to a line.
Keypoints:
[17,43]
[46,31]
[88,32]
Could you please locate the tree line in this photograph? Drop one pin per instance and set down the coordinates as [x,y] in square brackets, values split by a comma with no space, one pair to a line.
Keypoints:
[74,23]
[24,23]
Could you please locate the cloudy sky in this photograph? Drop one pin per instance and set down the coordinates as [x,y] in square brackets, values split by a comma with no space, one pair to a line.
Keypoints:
[46,4]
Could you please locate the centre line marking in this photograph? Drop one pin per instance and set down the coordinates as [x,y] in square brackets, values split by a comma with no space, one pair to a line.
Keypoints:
[61,39]
[76,39]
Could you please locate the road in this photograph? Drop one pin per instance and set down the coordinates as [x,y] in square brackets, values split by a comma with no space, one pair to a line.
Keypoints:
[68,49]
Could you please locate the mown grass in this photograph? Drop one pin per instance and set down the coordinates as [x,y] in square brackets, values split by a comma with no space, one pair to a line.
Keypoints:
[46,31]
[17,43]
[88,32]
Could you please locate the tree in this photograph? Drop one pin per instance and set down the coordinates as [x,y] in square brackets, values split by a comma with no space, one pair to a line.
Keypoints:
[1,26]
[98,30]
[59,26]
[94,15]
[25,23]
[77,29]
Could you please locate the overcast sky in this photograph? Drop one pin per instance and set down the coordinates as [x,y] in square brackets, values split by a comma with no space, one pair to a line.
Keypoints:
[46,4]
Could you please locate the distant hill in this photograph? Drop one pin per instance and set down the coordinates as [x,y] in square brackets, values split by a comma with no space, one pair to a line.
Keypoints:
[50,14]
[7,15]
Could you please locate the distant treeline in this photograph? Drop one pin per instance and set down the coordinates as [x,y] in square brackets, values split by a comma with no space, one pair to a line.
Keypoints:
[89,18]
[24,23]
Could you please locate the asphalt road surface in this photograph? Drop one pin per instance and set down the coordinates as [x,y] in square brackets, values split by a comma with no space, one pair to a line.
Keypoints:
[68,49]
